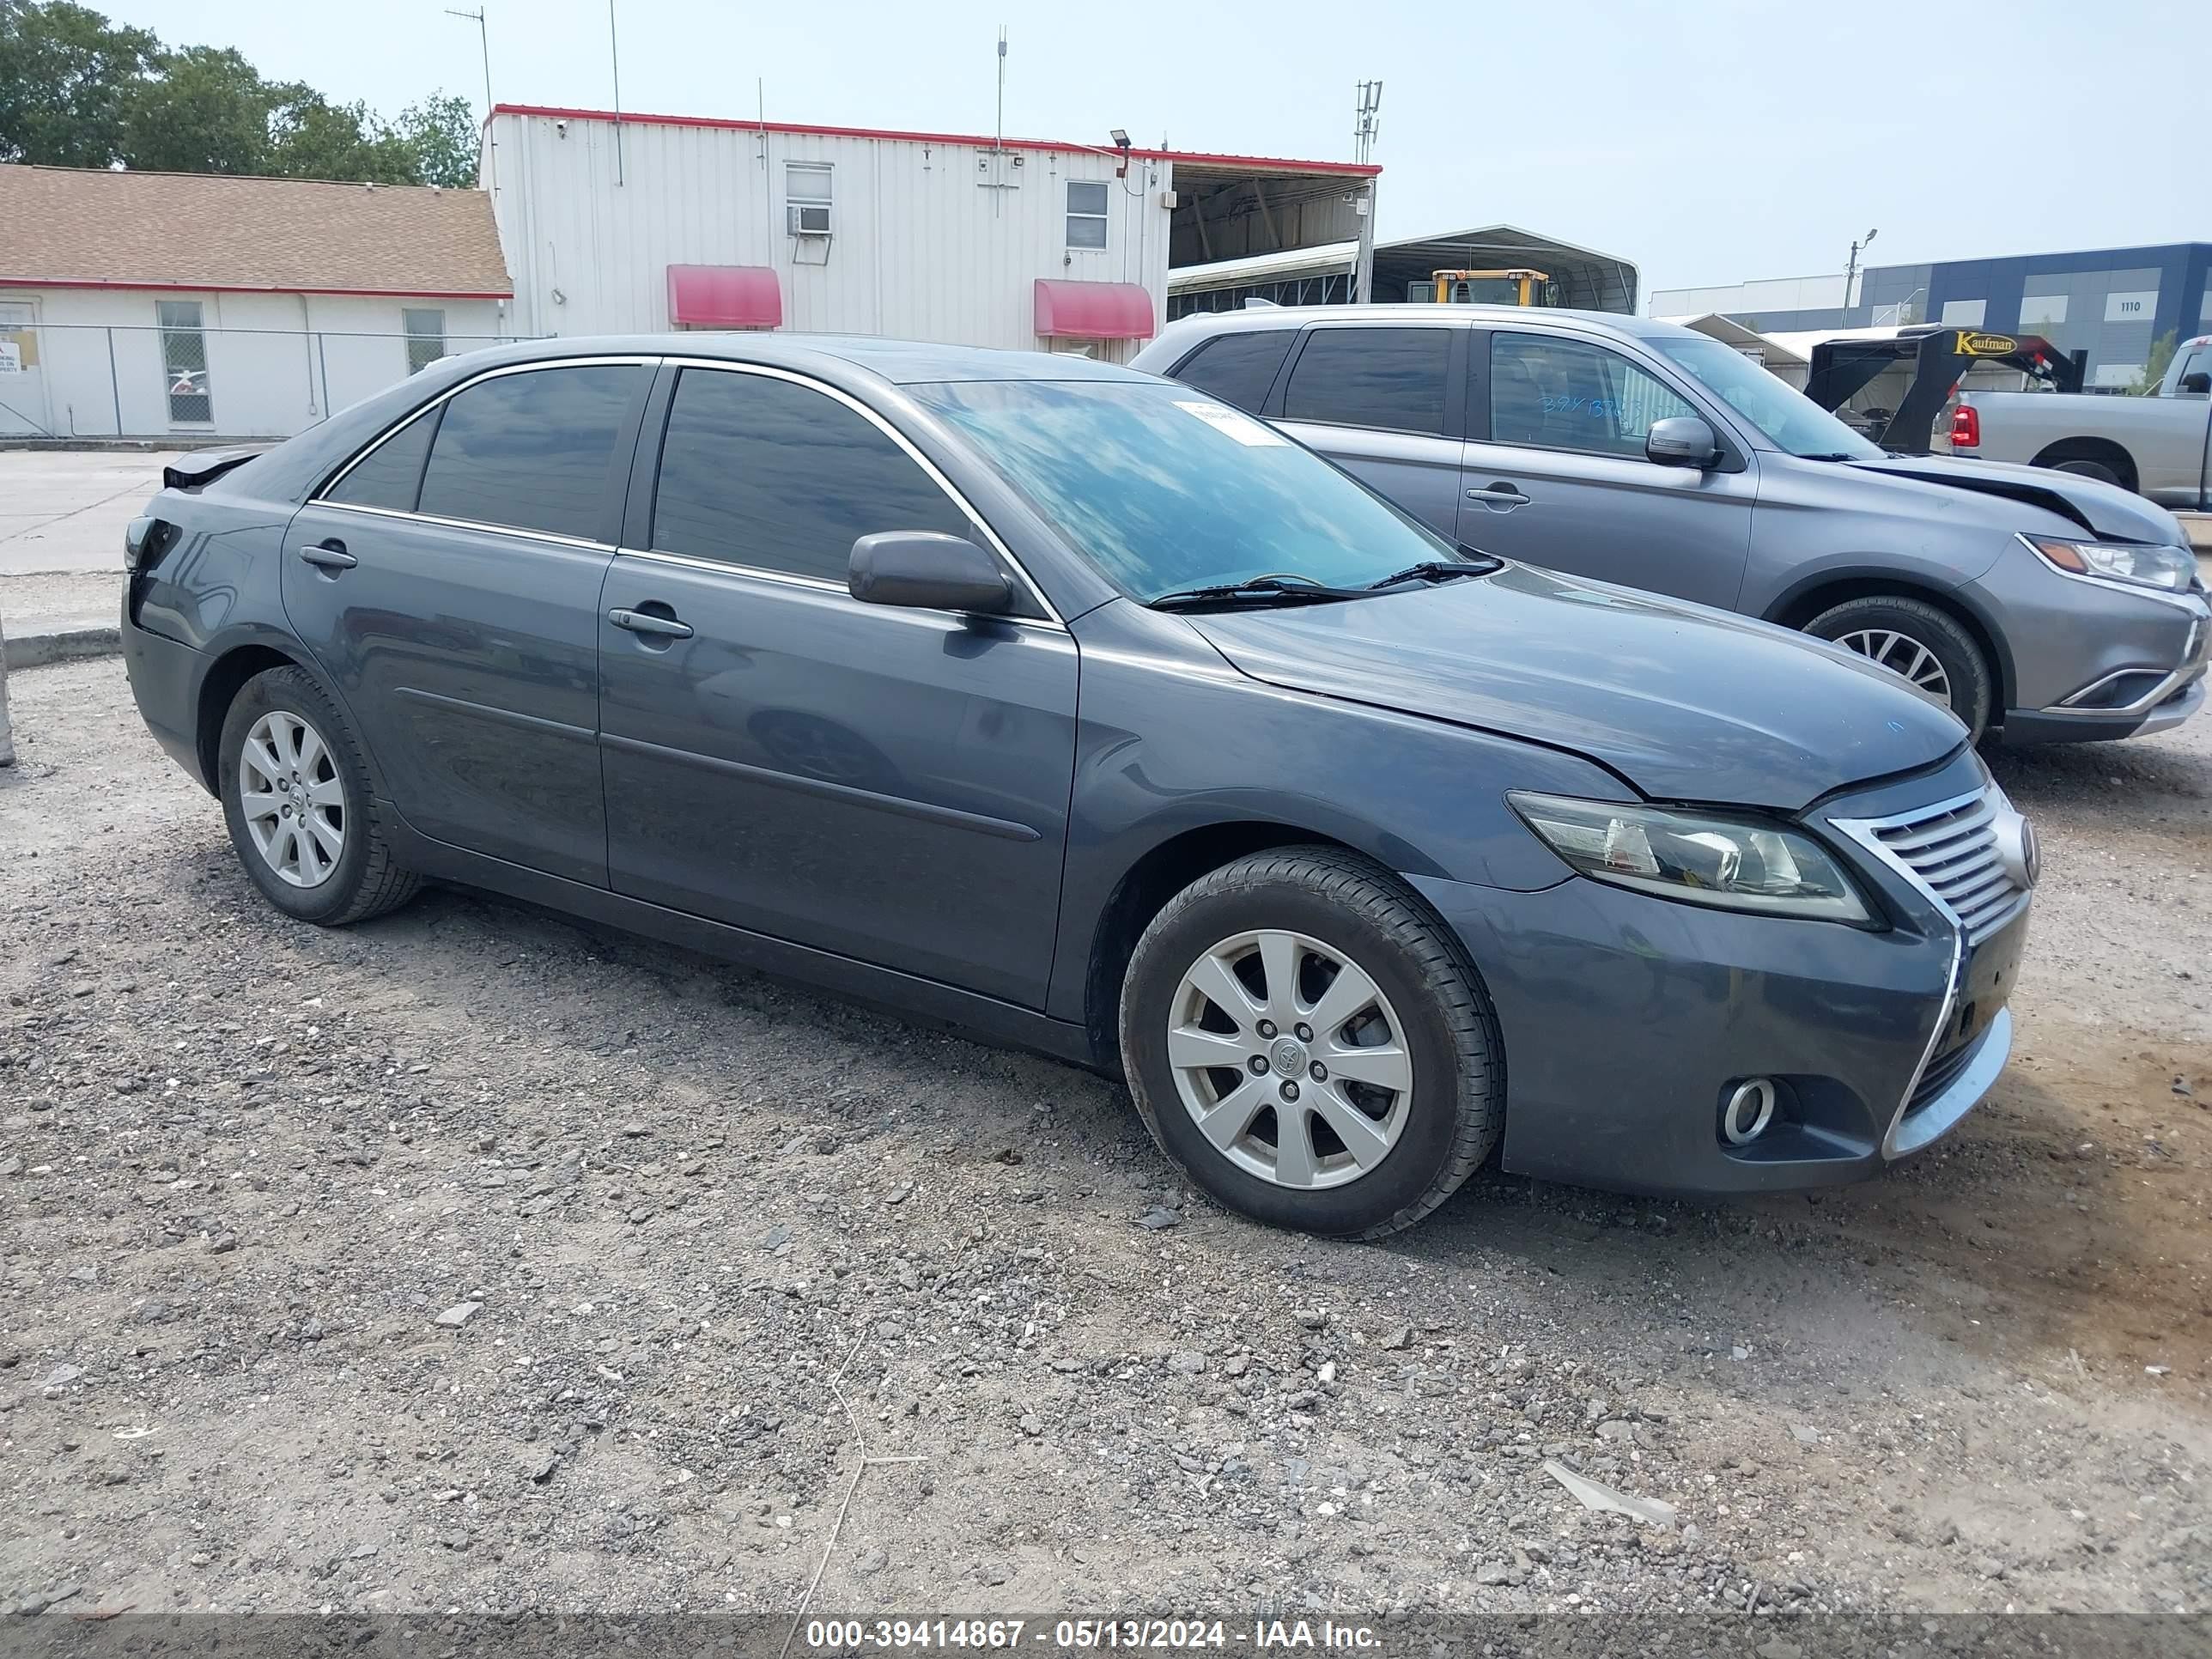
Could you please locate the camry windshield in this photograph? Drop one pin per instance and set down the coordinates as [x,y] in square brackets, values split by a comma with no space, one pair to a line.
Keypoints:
[1788,418]
[1164,490]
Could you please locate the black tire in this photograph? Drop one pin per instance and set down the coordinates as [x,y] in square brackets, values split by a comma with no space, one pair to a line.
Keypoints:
[1972,686]
[365,881]
[2096,470]
[1456,1109]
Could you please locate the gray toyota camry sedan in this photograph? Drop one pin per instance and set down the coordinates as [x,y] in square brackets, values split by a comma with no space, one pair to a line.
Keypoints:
[1083,712]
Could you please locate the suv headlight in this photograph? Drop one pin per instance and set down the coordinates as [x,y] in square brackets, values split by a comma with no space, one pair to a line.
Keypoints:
[1698,858]
[2168,568]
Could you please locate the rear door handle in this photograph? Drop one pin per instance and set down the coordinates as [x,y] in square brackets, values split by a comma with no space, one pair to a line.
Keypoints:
[329,555]
[1499,494]
[644,622]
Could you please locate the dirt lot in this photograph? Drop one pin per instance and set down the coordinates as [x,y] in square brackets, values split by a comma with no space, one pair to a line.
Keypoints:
[473,1259]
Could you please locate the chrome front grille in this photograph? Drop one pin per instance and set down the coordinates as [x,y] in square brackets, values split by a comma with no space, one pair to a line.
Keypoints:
[1951,850]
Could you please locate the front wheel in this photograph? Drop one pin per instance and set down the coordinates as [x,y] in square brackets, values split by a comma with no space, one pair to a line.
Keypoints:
[1924,647]
[1311,1045]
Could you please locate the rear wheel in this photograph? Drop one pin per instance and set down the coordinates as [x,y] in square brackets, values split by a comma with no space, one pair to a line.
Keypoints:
[1924,647]
[295,798]
[2097,470]
[1311,1045]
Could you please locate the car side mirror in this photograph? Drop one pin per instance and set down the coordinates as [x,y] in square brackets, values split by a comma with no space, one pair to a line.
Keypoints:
[927,571]
[2199,383]
[1682,441]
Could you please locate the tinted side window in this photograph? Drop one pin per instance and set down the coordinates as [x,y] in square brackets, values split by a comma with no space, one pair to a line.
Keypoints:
[1385,377]
[760,471]
[532,450]
[1563,394]
[391,474]
[1238,368]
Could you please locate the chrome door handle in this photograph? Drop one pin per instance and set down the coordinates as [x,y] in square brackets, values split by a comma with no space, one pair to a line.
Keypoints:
[644,622]
[329,555]
[1498,495]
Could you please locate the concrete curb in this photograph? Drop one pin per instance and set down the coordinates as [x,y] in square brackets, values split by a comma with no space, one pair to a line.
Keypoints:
[66,641]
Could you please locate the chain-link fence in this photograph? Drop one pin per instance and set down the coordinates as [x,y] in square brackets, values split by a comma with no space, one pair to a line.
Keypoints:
[177,380]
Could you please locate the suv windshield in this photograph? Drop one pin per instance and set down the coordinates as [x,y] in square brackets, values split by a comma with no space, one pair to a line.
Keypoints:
[1164,490]
[1790,420]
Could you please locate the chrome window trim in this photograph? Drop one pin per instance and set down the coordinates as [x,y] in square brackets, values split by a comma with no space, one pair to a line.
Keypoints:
[2184,599]
[628,360]
[929,468]
[514,531]
[789,579]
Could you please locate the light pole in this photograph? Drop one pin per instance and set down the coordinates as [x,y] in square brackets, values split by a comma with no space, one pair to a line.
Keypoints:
[1851,270]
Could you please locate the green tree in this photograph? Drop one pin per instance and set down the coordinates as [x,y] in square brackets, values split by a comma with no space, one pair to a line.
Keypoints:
[2155,365]
[441,131]
[311,138]
[65,73]
[206,110]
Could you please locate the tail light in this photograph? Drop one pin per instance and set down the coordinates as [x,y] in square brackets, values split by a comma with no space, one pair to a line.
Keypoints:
[1965,427]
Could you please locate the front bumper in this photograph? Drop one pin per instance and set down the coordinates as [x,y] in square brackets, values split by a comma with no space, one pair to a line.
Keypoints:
[1627,1020]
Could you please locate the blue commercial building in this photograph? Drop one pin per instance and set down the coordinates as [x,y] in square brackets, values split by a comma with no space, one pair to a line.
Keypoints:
[2111,303]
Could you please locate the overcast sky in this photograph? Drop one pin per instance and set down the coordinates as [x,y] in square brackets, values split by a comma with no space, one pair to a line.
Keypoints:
[1707,141]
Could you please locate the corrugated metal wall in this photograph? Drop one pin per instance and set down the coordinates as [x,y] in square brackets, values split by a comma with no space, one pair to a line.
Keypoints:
[930,241]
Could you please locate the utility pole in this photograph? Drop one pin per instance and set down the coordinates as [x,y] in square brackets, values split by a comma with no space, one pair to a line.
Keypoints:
[1852,269]
[483,38]
[1364,129]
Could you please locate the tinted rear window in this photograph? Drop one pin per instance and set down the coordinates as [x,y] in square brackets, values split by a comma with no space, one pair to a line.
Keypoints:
[1238,368]
[1383,377]
[533,450]
[391,473]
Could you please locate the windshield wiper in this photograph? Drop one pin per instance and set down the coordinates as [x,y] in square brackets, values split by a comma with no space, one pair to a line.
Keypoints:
[1834,455]
[1438,570]
[1295,589]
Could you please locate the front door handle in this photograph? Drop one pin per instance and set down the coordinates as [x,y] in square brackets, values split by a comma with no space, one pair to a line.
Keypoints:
[329,555]
[644,622]
[1500,494]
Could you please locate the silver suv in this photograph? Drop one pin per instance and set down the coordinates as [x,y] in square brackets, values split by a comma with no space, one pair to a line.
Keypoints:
[2044,606]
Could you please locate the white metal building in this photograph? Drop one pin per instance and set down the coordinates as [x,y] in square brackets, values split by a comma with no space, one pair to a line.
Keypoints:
[644,223]
[182,305]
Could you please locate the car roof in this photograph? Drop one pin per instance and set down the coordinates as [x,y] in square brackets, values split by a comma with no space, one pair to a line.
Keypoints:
[1268,317]
[902,362]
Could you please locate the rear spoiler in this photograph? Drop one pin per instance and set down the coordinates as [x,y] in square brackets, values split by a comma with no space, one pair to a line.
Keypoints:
[202,467]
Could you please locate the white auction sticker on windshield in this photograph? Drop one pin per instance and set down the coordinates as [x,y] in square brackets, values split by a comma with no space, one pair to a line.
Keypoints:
[1243,428]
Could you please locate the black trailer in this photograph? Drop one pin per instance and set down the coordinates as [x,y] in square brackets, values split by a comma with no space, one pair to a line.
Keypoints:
[1939,357]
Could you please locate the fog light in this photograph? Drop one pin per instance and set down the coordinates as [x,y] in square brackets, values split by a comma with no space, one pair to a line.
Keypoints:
[1750,1108]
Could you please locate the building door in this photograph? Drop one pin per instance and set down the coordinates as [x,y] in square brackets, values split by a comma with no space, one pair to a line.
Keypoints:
[24,411]
[185,364]
[1556,473]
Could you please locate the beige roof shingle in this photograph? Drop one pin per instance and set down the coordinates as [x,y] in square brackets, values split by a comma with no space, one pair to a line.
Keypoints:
[71,225]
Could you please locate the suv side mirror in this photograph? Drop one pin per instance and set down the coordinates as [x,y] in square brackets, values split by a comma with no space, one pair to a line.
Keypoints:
[927,571]
[2198,383]
[1682,441]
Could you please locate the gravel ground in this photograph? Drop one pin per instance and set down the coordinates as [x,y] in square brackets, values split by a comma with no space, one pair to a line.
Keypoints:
[471,1259]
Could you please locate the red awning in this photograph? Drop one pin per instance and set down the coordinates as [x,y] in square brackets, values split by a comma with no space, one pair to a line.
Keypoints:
[1094,310]
[725,296]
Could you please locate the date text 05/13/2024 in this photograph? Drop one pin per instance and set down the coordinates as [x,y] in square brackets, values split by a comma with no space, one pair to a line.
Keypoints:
[892,1635]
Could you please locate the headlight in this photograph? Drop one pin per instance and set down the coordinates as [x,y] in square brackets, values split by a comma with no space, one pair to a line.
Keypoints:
[2167,567]
[1731,863]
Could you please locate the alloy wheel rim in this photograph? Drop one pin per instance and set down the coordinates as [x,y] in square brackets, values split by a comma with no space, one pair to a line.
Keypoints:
[1289,1060]
[1905,657]
[291,799]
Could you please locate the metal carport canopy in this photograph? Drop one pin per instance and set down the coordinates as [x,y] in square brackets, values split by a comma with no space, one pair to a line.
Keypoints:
[1589,280]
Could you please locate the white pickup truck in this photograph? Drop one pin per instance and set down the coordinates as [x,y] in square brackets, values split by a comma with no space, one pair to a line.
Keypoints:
[2160,447]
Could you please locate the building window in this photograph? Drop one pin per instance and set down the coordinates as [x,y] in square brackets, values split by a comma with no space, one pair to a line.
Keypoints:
[1963,314]
[1086,214]
[185,363]
[806,199]
[426,337]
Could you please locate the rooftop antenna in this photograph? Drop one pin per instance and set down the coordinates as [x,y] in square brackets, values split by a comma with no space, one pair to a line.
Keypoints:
[1364,129]
[999,136]
[1367,121]
[483,38]
[614,62]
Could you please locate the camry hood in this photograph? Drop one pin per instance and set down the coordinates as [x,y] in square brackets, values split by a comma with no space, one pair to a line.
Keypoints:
[2086,504]
[1686,702]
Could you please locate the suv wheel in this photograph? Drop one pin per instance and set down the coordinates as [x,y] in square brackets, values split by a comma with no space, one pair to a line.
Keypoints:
[1920,645]
[1311,1046]
[296,797]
